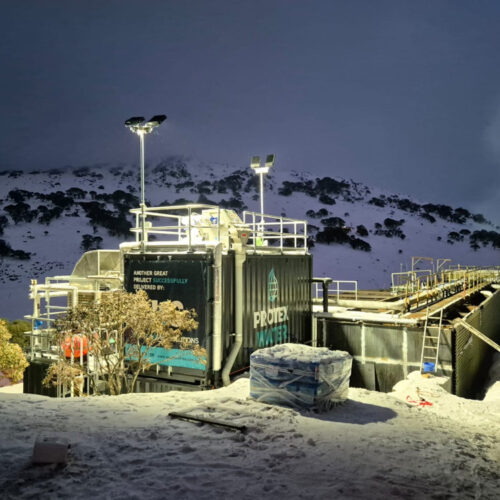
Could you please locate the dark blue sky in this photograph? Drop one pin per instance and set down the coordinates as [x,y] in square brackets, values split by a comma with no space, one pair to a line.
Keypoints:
[400,94]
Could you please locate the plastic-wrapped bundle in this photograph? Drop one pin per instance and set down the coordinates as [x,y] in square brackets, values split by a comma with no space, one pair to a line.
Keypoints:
[300,376]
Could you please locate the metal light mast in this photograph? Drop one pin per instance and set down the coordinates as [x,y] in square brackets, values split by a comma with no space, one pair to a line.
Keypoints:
[137,125]
[261,170]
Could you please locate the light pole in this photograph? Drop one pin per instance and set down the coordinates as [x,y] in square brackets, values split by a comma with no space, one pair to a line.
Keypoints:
[261,170]
[137,125]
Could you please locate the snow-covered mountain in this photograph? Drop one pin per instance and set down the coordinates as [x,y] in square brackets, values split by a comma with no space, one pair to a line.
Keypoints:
[48,218]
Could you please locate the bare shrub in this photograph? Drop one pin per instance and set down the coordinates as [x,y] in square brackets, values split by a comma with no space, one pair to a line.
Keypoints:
[118,333]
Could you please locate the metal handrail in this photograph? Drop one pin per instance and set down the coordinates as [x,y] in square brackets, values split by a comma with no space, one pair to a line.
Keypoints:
[425,290]
[194,224]
[401,280]
[431,287]
[334,288]
[265,229]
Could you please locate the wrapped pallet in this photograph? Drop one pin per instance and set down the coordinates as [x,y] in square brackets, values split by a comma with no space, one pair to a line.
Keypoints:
[300,376]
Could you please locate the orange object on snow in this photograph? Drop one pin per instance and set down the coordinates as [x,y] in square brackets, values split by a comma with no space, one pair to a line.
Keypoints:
[77,344]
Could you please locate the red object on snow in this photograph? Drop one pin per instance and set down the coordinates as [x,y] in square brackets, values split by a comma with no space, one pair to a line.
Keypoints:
[77,343]
[421,402]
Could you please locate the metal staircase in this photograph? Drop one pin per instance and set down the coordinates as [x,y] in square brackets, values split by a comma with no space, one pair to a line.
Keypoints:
[430,343]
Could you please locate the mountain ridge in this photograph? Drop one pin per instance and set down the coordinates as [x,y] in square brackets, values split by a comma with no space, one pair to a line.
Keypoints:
[48,218]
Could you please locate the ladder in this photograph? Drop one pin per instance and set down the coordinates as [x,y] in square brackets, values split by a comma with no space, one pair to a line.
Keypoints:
[430,344]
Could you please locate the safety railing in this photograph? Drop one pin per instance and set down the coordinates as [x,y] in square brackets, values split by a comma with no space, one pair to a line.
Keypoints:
[198,224]
[404,280]
[187,224]
[275,232]
[430,288]
[336,289]
[423,291]
[53,299]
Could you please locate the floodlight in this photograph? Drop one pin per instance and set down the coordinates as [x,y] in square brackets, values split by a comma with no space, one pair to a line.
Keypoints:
[269,161]
[255,163]
[134,121]
[261,170]
[156,120]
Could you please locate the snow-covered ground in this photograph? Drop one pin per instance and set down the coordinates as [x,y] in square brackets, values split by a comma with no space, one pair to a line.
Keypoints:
[373,446]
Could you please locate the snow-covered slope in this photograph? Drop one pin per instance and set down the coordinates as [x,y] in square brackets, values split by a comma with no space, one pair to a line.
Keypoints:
[359,233]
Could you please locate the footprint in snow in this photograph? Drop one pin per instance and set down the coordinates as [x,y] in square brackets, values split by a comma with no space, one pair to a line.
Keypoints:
[187,449]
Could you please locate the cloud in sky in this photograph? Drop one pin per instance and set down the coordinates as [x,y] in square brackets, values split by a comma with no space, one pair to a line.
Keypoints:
[492,135]
[399,94]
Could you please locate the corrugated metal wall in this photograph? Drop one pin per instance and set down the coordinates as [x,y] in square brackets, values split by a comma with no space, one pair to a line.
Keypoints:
[472,355]
[383,354]
[293,290]
[293,274]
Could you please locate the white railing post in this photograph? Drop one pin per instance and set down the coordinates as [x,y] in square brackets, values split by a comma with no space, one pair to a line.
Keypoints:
[281,233]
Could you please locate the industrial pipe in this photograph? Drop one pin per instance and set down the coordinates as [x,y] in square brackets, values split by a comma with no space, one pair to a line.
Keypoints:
[239,259]
[397,305]
[217,332]
[360,316]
